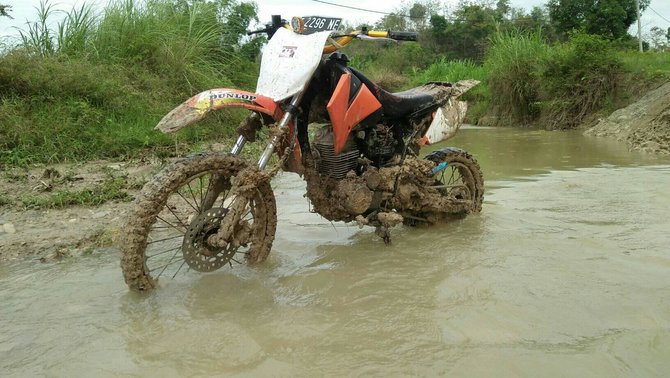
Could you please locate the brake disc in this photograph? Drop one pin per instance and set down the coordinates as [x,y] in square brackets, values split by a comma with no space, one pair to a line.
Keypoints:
[200,255]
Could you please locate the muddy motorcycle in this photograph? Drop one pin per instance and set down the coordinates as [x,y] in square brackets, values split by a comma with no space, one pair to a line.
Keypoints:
[355,145]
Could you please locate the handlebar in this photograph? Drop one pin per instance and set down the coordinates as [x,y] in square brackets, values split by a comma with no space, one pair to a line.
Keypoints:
[403,36]
[337,43]
[346,39]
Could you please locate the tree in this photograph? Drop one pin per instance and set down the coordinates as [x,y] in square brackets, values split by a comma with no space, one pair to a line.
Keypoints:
[4,9]
[608,18]
[466,35]
[660,39]
[410,16]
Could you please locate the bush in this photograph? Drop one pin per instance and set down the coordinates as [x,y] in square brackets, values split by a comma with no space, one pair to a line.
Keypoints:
[557,86]
[578,78]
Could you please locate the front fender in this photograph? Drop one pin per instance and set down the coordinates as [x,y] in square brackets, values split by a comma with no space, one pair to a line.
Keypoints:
[197,107]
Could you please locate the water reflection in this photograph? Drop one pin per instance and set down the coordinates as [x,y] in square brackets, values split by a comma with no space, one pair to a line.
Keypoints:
[512,152]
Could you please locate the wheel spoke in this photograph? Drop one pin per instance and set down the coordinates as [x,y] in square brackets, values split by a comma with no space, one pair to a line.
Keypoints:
[180,266]
[172,261]
[163,252]
[189,203]
[169,224]
[225,196]
[451,178]
[193,196]
[200,189]
[175,215]
[168,238]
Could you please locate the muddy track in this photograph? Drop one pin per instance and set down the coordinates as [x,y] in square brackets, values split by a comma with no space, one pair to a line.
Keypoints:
[37,221]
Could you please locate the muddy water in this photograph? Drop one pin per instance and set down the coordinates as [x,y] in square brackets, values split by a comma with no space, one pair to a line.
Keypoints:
[566,272]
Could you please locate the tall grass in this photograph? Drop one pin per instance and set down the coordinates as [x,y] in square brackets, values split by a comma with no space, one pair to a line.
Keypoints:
[76,31]
[452,71]
[95,85]
[38,38]
[512,63]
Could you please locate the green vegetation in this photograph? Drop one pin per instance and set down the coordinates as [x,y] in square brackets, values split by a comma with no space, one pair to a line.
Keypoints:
[96,84]
[96,87]
[553,86]
[512,62]
[609,19]
[5,200]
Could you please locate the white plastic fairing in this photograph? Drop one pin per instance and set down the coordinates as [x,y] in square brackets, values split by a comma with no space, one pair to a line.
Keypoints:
[289,60]
[447,121]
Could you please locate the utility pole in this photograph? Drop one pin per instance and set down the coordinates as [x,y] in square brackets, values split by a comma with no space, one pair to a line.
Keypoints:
[639,25]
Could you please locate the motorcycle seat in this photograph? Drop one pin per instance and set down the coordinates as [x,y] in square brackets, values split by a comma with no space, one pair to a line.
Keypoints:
[401,104]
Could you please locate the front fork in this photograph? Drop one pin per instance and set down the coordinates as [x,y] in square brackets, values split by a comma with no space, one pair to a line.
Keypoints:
[276,139]
[236,209]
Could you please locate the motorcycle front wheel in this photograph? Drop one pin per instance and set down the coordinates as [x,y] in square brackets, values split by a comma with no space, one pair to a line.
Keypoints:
[167,230]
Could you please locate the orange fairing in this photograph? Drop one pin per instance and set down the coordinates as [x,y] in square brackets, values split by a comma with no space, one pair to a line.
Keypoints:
[344,116]
[197,107]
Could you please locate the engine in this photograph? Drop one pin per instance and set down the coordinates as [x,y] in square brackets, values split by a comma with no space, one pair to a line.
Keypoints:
[381,144]
[329,164]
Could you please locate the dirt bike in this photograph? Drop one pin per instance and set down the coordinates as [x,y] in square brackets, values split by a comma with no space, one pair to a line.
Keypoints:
[360,162]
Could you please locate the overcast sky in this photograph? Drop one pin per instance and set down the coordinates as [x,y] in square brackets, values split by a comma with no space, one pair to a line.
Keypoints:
[24,10]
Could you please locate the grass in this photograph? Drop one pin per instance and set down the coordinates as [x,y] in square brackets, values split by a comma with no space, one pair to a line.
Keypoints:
[511,64]
[96,85]
[5,200]
[452,71]
[110,189]
[650,65]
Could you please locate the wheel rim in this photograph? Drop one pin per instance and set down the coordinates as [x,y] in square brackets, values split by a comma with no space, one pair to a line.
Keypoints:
[175,241]
[455,181]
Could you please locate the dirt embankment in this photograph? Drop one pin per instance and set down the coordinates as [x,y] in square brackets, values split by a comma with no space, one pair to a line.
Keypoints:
[643,125]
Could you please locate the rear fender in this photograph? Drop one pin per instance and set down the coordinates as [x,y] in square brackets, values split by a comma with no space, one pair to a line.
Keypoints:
[197,107]
[447,119]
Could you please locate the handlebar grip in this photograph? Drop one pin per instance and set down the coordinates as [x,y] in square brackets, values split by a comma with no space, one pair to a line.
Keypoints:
[403,36]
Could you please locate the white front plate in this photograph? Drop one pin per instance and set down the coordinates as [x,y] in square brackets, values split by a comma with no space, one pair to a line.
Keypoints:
[289,60]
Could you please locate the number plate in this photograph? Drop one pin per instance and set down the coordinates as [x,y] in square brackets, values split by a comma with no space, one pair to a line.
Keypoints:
[315,24]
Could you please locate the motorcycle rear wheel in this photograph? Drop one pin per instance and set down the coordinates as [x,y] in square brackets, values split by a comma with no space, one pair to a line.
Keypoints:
[462,174]
[461,179]
[180,208]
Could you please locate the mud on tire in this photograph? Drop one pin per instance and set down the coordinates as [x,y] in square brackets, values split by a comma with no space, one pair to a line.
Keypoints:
[471,175]
[461,172]
[165,194]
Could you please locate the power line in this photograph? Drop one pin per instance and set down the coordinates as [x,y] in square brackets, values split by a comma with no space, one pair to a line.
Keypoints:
[366,10]
[658,14]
